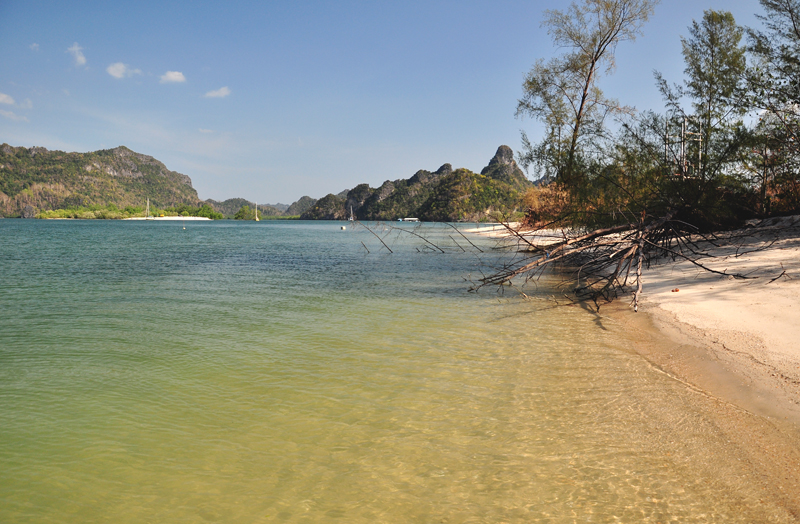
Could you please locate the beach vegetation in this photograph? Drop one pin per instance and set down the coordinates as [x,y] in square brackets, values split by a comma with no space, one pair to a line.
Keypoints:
[245,213]
[564,94]
[657,185]
[112,212]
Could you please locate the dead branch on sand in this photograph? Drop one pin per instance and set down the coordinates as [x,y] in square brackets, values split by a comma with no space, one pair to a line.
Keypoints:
[601,264]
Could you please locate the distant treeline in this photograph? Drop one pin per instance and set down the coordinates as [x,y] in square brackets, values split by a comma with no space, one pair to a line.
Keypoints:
[111,211]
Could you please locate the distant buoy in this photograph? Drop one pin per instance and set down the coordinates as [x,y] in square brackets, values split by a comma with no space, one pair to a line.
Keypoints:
[343,228]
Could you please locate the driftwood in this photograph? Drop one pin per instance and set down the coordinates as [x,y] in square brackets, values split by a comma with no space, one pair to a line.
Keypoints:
[598,265]
[604,263]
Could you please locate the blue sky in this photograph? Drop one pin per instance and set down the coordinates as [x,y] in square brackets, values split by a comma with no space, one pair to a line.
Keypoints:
[274,100]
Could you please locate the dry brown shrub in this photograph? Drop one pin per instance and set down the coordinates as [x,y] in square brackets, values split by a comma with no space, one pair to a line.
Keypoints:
[543,204]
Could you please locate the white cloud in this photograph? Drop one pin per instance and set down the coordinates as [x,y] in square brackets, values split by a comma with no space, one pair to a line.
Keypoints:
[26,104]
[34,47]
[205,130]
[171,77]
[5,99]
[77,54]
[222,92]
[120,70]
[11,116]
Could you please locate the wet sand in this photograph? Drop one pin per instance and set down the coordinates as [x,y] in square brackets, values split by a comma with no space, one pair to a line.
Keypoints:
[736,344]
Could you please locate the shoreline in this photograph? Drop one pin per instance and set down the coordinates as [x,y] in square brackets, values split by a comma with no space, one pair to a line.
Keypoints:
[167,218]
[752,325]
[736,344]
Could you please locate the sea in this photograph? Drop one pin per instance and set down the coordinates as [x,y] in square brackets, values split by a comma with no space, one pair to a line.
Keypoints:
[290,371]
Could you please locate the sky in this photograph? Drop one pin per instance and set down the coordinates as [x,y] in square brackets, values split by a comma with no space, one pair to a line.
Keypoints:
[270,101]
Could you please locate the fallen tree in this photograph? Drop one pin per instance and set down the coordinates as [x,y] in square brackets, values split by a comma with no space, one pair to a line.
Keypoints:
[603,264]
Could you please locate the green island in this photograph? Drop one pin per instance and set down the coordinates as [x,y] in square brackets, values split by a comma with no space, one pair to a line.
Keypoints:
[117,183]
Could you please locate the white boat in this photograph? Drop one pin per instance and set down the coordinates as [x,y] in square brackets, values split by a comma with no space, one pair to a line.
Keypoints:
[256,211]
[352,217]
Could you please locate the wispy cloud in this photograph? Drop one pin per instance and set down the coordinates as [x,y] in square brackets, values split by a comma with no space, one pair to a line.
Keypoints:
[222,92]
[205,130]
[77,54]
[34,46]
[172,77]
[6,99]
[26,104]
[12,116]
[120,70]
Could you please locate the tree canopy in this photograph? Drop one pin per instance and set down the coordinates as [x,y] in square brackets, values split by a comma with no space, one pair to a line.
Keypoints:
[723,150]
[563,92]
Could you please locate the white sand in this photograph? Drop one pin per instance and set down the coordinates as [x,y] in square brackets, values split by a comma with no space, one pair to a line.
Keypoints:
[491,230]
[767,310]
[168,218]
[750,326]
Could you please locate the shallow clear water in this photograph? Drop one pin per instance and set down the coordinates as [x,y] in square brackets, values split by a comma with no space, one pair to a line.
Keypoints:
[235,372]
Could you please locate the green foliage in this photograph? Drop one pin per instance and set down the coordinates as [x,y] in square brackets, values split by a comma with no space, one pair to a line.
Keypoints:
[329,207]
[443,195]
[230,207]
[699,164]
[774,89]
[49,180]
[206,211]
[467,196]
[111,211]
[301,206]
[191,211]
[563,93]
[245,213]
[91,212]
[715,65]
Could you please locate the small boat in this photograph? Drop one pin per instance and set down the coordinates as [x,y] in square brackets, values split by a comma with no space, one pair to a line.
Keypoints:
[352,217]
[256,211]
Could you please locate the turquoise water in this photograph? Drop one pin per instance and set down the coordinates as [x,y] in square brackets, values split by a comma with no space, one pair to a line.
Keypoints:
[278,372]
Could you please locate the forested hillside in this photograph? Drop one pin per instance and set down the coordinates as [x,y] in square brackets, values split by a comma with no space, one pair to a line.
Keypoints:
[441,195]
[35,179]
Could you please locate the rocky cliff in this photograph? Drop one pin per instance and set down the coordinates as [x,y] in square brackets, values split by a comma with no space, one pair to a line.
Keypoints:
[441,195]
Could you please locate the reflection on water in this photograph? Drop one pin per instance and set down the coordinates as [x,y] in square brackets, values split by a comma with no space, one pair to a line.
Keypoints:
[277,372]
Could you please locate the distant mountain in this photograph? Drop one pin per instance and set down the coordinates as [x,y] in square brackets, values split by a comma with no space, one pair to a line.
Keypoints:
[280,207]
[232,205]
[301,206]
[442,195]
[503,168]
[35,179]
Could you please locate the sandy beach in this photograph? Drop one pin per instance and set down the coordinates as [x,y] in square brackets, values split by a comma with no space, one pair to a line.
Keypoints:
[735,343]
[752,324]
[167,218]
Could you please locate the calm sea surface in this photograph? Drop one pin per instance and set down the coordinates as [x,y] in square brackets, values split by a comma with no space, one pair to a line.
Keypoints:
[277,372]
